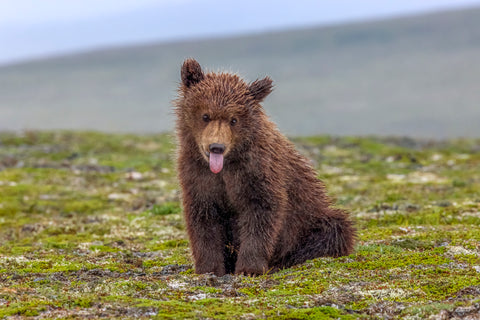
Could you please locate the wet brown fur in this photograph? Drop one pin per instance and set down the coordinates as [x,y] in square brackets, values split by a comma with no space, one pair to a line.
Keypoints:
[266,209]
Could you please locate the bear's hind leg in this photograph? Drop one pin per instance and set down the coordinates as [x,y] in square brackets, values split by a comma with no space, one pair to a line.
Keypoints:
[333,236]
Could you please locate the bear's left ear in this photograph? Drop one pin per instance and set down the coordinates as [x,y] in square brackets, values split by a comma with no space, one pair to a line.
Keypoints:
[191,73]
[260,89]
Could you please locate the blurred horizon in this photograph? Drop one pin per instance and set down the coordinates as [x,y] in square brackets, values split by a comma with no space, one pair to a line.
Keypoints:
[29,32]
[396,74]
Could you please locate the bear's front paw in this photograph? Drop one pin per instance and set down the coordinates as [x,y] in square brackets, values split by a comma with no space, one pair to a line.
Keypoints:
[251,269]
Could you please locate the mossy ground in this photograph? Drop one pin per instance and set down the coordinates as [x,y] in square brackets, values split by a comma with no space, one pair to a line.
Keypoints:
[91,227]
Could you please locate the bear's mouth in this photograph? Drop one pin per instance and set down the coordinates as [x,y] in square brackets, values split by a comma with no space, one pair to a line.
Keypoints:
[215,161]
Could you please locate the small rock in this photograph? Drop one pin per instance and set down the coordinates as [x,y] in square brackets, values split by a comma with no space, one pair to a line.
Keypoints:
[9,161]
[424,177]
[73,156]
[463,311]
[8,183]
[199,296]
[134,175]
[443,315]
[47,197]
[409,207]
[165,170]
[175,284]
[390,159]
[444,203]
[174,269]
[396,177]
[331,170]
[463,156]
[349,178]
[160,183]
[118,196]
[229,291]
[455,250]
[406,230]
[227,278]
[30,228]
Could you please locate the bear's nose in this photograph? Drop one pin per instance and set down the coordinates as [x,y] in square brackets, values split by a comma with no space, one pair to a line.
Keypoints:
[217,148]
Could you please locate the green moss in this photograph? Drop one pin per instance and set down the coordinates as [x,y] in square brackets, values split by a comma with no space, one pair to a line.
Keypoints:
[84,206]
[210,290]
[172,244]
[252,291]
[425,311]
[171,309]
[375,262]
[378,249]
[358,305]
[63,234]
[445,285]
[52,265]
[412,244]
[84,302]
[25,309]
[166,208]
[472,259]
[313,313]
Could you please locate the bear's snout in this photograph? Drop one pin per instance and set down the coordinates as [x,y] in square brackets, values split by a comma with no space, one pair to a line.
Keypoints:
[217,148]
[216,139]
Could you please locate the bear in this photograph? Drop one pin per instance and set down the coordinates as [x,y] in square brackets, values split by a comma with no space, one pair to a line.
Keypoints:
[252,203]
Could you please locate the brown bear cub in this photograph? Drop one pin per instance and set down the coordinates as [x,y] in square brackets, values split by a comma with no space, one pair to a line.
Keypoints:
[252,203]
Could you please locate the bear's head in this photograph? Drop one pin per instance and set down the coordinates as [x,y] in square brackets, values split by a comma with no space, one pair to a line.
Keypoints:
[220,111]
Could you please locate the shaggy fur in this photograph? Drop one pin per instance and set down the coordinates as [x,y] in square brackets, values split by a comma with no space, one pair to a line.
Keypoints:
[258,206]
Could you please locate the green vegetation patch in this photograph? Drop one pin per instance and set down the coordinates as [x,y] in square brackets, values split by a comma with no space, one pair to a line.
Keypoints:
[91,224]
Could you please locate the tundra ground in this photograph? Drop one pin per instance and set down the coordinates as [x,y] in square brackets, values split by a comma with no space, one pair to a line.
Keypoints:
[91,227]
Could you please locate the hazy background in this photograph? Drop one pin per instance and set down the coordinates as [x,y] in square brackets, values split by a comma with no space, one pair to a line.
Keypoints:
[340,67]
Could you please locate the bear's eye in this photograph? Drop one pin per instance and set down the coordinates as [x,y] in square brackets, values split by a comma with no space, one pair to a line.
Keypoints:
[206,118]
[233,121]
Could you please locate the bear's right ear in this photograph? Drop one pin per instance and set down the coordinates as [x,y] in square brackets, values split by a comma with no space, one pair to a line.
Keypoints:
[191,73]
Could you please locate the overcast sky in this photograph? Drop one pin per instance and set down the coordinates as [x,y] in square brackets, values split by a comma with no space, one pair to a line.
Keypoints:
[33,28]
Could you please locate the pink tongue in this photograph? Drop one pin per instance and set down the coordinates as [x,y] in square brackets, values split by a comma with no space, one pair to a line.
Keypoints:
[216,162]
